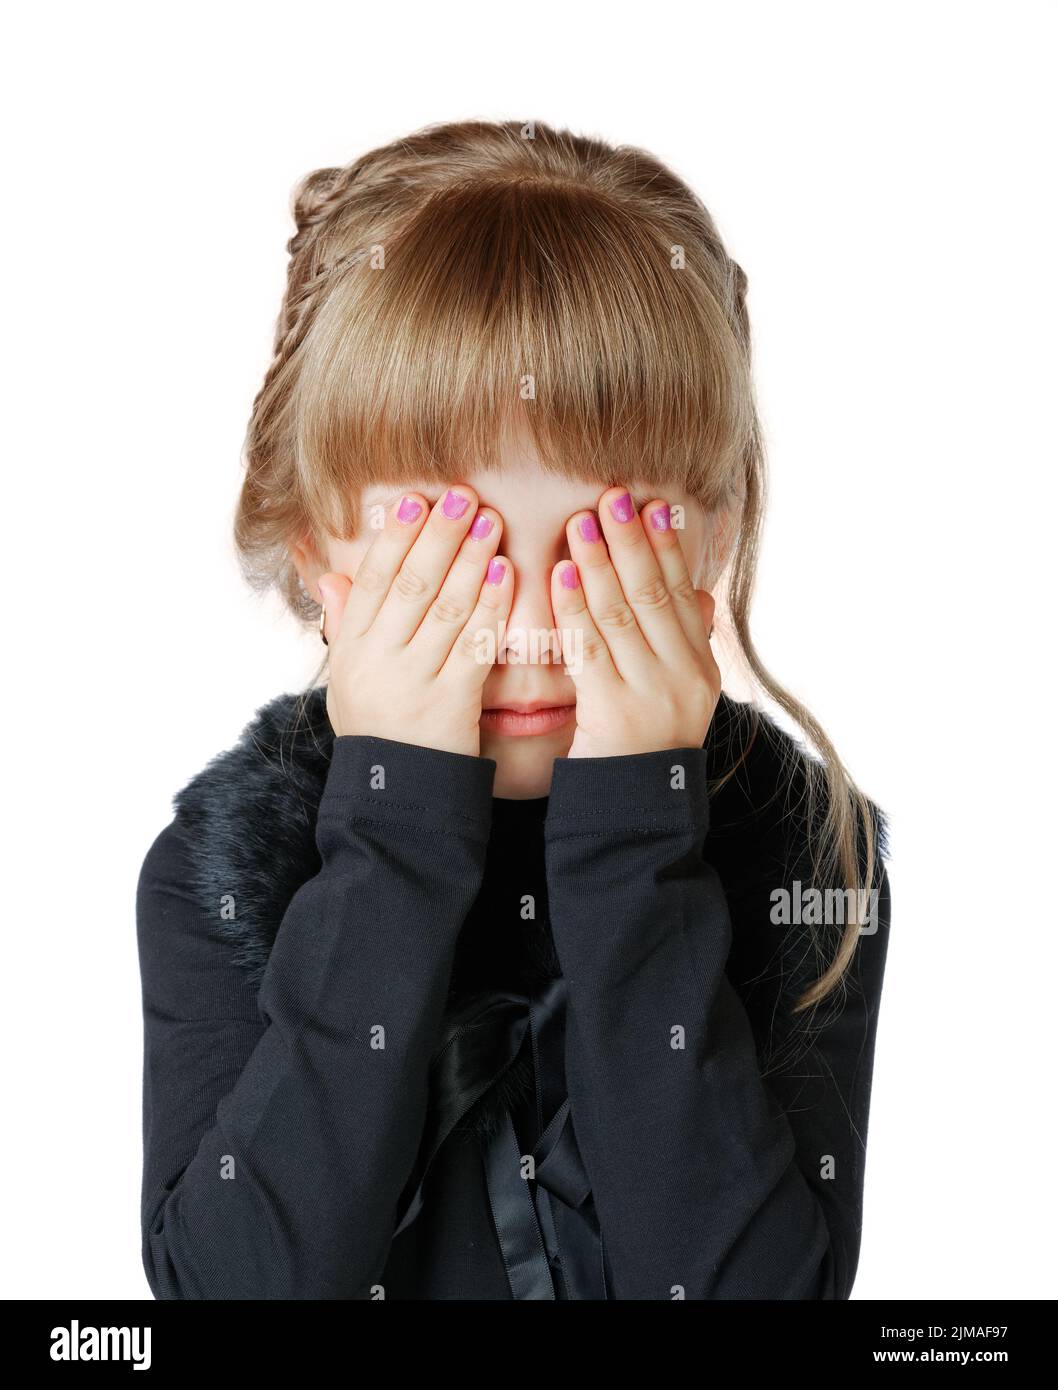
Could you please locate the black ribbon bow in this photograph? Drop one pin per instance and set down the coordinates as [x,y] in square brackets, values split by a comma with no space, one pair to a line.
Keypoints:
[548,1230]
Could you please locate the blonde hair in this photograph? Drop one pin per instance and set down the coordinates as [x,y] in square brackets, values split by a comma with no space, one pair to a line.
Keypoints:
[535,275]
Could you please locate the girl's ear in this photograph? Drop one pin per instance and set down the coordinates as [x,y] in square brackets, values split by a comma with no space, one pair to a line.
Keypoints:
[308,565]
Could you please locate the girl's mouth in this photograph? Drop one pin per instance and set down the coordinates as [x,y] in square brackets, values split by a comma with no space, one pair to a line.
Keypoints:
[526,721]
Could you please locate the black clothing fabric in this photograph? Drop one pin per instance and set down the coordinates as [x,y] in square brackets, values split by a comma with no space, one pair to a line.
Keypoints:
[404,1039]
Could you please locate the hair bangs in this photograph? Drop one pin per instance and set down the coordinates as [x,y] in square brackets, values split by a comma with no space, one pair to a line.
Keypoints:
[532,302]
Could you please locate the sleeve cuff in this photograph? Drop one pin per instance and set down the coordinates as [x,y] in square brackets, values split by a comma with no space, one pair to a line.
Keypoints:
[385,780]
[659,791]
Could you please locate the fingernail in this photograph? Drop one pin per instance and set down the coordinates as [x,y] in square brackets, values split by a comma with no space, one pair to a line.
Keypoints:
[497,569]
[659,518]
[589,527]
[482,526]
[622,508]
[454,504]
[409,509]
[570,578]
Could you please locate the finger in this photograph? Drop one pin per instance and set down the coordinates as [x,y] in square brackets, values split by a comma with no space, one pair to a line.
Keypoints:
[334,594]
[635,562]
[423,569]
[449,613]
[382,560]
[478,642]
[583,647]
[673,565]
[612,614]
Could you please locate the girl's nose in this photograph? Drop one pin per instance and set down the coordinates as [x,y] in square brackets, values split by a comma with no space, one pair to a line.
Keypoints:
[531,620]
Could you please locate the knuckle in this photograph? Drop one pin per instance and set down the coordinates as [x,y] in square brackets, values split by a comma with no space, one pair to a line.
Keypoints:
[370,579]
[666,705]
[617,616]
[683,590]
[591,648]
[448,610]
[408,584]
[652,593]
[470,645]
[492,601]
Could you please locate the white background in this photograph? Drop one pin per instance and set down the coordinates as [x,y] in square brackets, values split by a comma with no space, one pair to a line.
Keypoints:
[885,175]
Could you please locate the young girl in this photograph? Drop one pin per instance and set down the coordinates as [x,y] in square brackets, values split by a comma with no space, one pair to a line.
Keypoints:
[517,960]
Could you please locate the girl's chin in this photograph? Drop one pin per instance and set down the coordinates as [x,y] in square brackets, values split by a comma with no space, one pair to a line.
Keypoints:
[506,726]
[524,766]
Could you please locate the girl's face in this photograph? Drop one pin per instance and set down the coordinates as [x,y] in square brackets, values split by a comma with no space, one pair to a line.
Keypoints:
[529,671]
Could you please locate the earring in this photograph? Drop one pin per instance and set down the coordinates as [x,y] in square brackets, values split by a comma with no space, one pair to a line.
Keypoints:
[323,619]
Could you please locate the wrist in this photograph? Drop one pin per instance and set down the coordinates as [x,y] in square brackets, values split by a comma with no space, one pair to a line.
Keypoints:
[662,789]
[391,780]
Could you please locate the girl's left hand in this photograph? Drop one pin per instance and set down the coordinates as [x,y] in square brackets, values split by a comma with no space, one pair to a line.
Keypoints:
[635,633]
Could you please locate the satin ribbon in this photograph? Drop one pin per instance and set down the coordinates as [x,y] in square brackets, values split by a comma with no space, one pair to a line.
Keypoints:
[548,1231]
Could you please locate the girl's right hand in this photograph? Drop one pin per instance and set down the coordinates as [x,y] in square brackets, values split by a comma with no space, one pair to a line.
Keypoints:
[406,658]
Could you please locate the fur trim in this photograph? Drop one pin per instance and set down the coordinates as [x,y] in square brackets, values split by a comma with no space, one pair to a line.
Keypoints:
[250,815]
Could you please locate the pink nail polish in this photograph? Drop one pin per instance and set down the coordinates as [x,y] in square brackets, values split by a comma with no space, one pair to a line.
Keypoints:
[497,569]
[622,508]
[659,518]
[408,510]
[569,577]
[482,526]
[455,505]
[589,527]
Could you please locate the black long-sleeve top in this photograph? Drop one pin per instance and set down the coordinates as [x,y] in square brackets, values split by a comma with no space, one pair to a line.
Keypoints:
[296,1137]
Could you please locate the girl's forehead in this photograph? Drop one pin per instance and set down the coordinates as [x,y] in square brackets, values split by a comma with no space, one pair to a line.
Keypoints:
[522,480]
[516,472]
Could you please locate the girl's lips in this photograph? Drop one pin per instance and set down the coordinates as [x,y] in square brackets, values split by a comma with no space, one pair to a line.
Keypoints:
[527,723]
